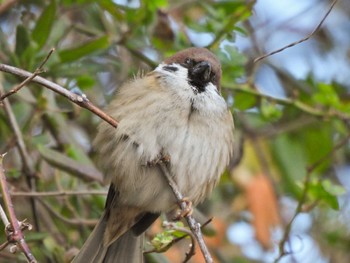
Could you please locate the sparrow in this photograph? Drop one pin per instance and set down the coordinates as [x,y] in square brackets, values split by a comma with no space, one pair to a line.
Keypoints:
[176,112]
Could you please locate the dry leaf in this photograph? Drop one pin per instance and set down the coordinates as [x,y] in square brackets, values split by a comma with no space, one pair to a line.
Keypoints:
[262,203]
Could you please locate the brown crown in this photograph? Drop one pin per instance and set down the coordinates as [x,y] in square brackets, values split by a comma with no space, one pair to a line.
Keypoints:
[198,54]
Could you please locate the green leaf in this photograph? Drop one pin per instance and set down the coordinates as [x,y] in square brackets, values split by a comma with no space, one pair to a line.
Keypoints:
[36,236]
[326,95]
[85,82]
[13,173]
[289,153]
[153,5]
[244,101]
[334,189]
[76,53]
[270,111]
[43,27]
[113,9]
[22,40]
[318,142]
[162,240]
[64,163]
[318,192]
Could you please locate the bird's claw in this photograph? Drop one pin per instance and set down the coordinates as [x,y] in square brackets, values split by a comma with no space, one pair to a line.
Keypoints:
[186,211]
[161,158]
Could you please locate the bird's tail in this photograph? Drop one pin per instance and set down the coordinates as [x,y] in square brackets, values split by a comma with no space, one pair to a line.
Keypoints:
[127,248]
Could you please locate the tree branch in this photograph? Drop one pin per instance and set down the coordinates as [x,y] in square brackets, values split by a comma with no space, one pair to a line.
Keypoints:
[192,223]
[27,162]
[58,193]
[75,98]
[14,232]
[289,102]
[192,250]
[301,40]
[28,79]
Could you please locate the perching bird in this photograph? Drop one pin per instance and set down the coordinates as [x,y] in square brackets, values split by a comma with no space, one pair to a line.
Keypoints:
[175,111]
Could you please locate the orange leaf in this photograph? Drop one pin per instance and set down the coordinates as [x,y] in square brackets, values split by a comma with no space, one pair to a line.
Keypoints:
[262,203]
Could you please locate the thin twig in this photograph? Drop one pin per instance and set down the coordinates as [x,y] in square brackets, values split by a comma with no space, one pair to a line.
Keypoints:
[192,250]
[28,79]
[4,245]
[192,223]
[27,162]
[303,197]
[15,235]
[244,88]
[75,98]
[3,216]
[301,40]
[174,241]
[58,193]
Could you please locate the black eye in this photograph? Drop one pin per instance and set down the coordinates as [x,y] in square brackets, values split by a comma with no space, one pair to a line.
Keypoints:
[188,62]
[213,77]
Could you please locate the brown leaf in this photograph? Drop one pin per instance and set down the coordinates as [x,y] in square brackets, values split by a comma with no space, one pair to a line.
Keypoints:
[262,203]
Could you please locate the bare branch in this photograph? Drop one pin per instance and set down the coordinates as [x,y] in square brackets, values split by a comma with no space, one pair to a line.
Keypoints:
[301,40]
[290,102]
[3,216]
[29,78]
[58,193]
[15,234]
[75,98]
[192,223]
[27,162]
[192,250]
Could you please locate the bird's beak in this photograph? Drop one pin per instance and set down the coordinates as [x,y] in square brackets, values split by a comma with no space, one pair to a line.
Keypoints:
[202,71]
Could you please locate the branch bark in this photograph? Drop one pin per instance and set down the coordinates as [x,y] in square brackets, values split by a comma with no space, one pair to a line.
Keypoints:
[80,100]
[15,234]
[301,40]
[192,223]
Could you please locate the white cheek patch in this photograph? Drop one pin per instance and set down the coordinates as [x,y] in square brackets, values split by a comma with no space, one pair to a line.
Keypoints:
[175,77]
[173,70]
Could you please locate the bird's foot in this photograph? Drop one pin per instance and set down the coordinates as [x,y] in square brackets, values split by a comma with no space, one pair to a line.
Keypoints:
[187,210]
[161,158]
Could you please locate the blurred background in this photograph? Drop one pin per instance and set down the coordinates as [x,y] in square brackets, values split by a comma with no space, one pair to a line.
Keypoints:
[285,196]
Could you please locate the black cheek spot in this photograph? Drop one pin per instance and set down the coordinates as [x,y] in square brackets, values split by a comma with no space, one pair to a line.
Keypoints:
[170,68]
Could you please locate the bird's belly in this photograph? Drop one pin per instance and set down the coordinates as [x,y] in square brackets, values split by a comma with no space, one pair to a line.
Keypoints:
[191,141]
[192,165]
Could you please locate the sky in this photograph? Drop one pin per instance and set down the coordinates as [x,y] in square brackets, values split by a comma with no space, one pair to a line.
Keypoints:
[278,23]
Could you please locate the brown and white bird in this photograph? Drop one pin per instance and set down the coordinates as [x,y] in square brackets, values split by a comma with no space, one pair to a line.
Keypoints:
[177,111]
